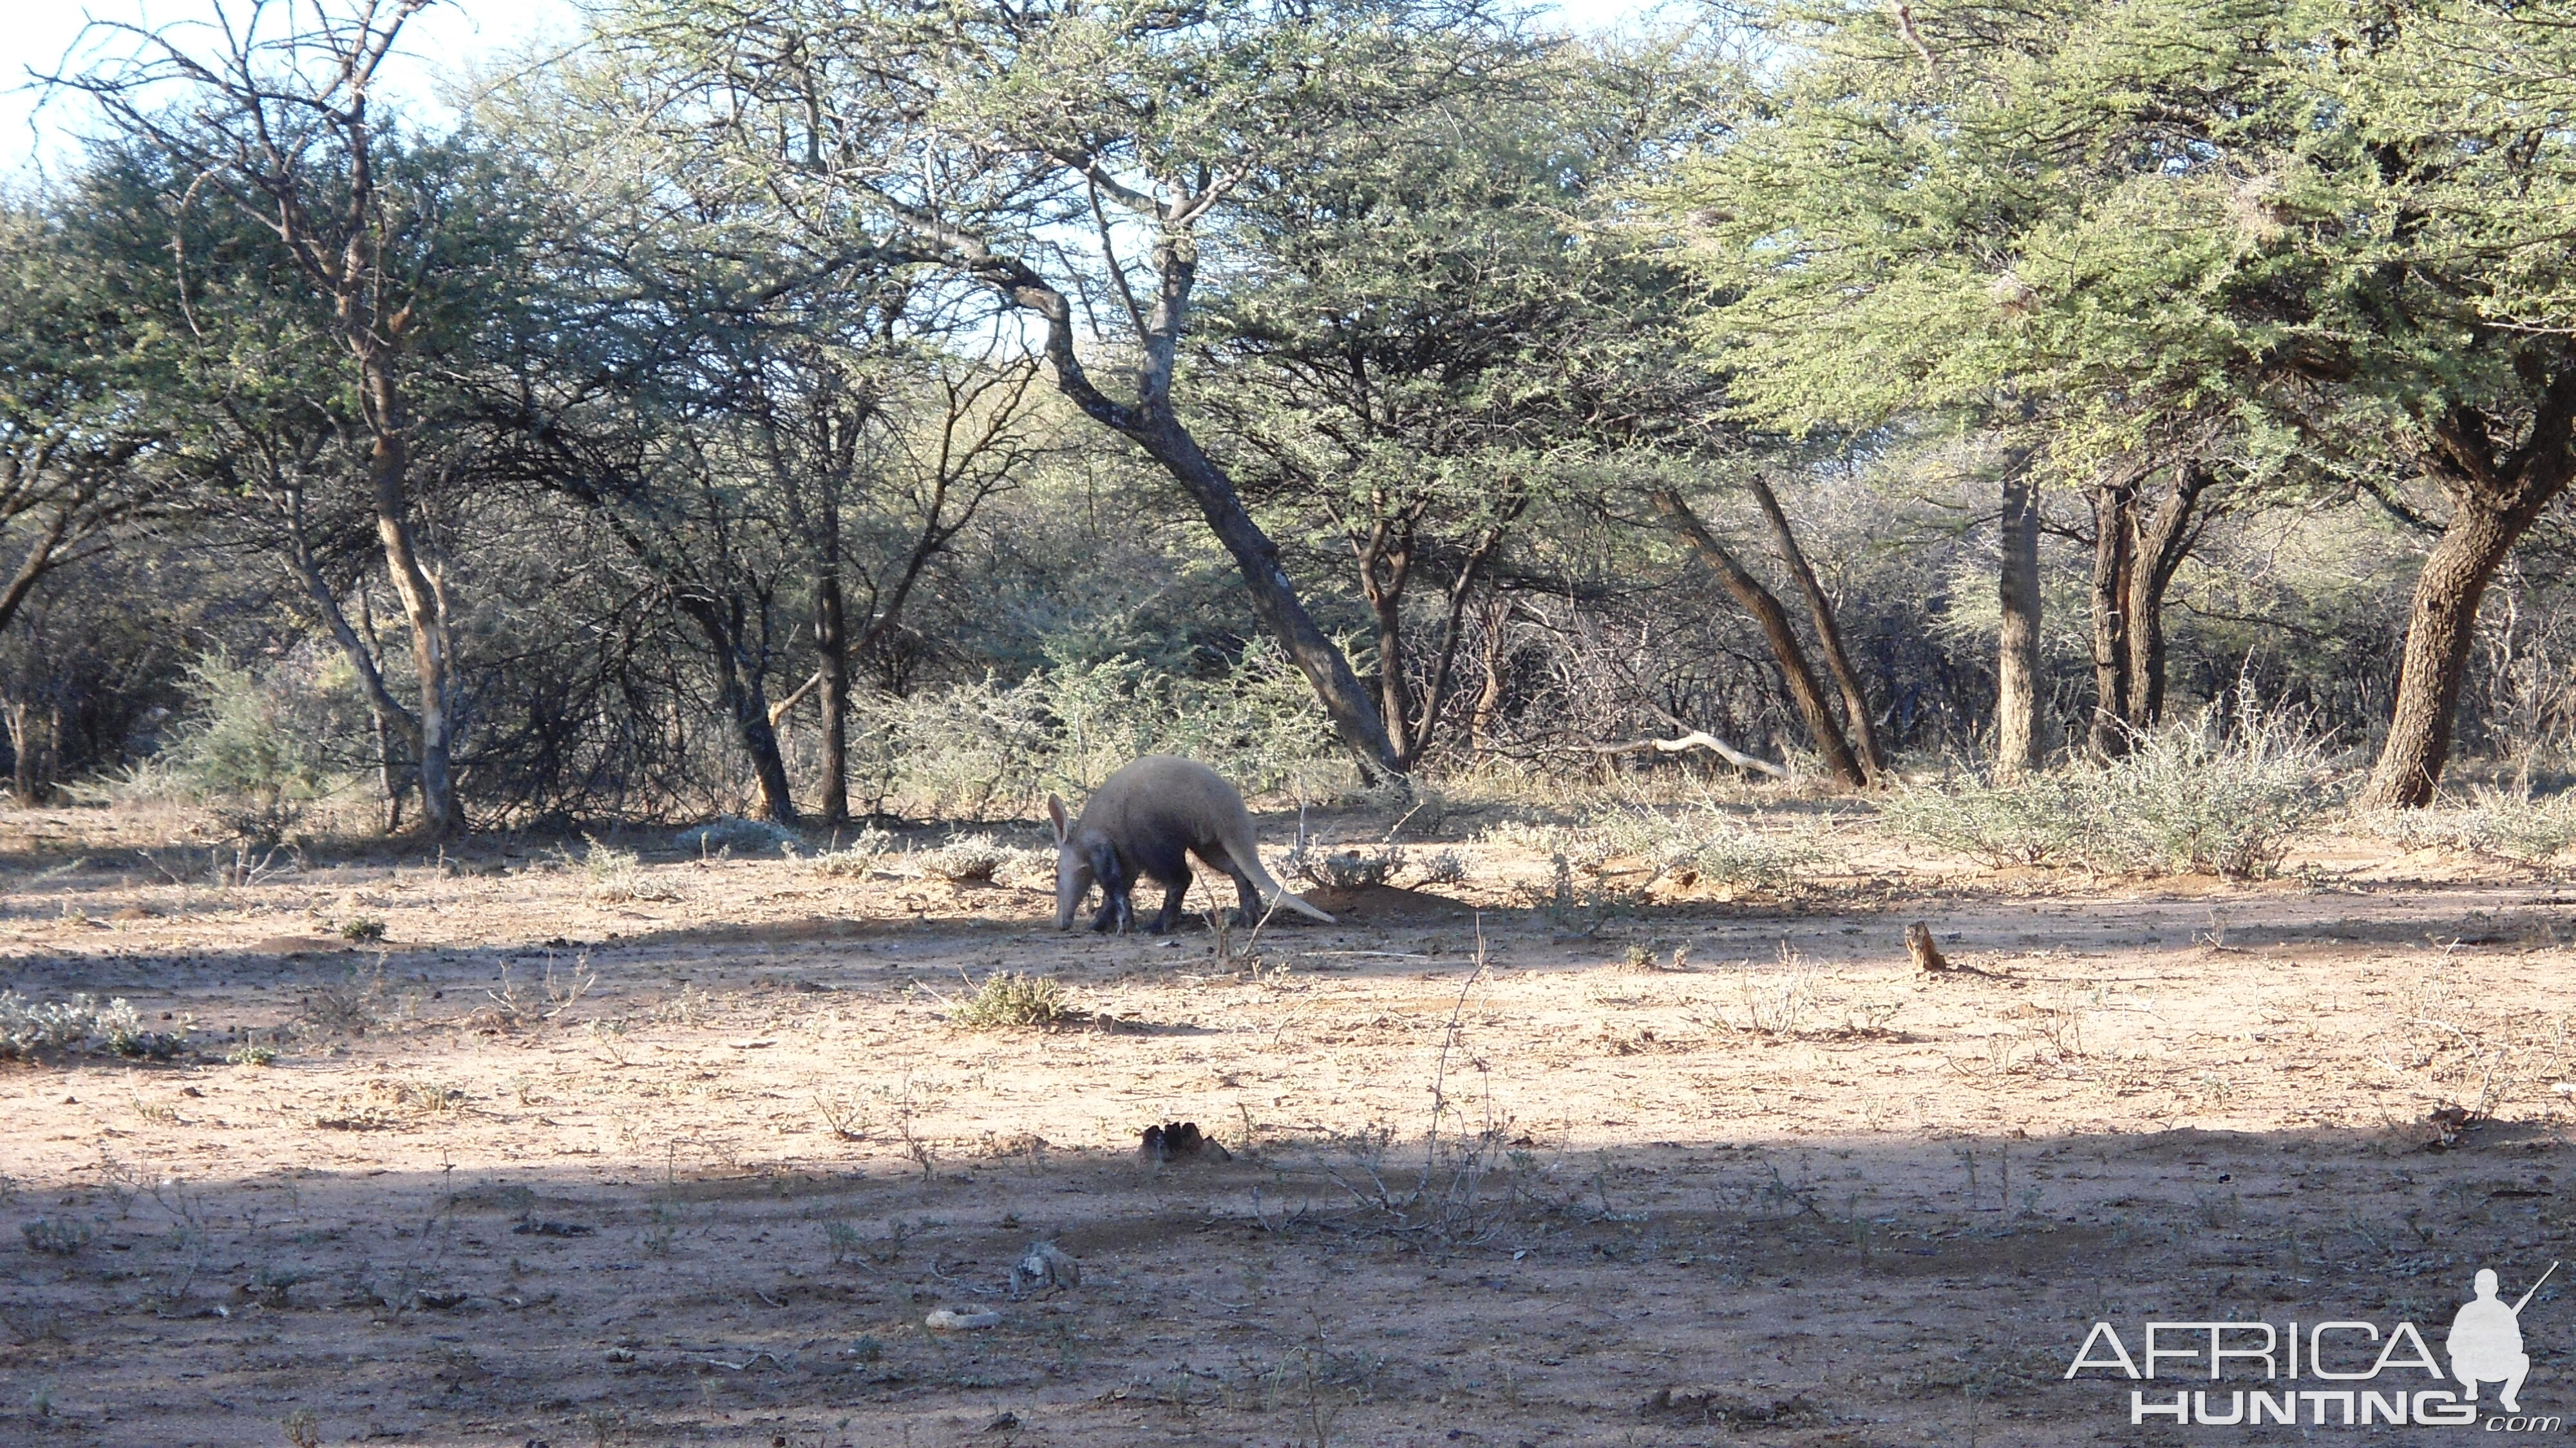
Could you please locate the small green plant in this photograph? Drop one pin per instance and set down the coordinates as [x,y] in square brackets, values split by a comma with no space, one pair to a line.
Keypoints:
[728,833]
[863,856]
[841,1240]
[364,930]
[251,1053]
[1007,999]
[1444,867]
[57,1236]
[967,859]
[303,1429]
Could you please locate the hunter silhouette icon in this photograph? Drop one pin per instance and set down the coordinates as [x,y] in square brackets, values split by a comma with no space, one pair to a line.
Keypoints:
[2486,1340]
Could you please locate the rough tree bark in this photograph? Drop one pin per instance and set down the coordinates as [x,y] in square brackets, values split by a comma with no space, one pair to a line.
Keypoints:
[2115,514]
[1804,692]
[745,701]
[2497,492]
[424,603]
[831,649]
[2020,747]
[1386,557]
[2135,555]
[1489,697]
[2162,543]
[1829,636]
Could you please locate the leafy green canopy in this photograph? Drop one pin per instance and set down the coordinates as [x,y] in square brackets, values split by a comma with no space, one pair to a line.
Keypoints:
[2348,218]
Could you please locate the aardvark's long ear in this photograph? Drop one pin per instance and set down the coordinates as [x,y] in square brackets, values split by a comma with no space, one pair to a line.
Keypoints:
[1055,812]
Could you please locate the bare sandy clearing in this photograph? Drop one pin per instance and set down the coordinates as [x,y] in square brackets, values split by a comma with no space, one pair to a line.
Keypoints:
[695,1165]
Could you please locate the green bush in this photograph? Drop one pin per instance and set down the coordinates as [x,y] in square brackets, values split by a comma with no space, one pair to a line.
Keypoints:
[2218,795]
[1706,841]
[254,752]
[975,751]
[2491,822]
[1006,1000]
[28,1026]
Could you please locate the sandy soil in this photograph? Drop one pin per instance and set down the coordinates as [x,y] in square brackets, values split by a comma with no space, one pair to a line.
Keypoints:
[695,1157]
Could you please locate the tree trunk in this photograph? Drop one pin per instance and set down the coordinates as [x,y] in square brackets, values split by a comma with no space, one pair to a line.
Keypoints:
[2162,544]
[832,649]
[1152,424]
[28,785]
[2494,501]
[1489,697]
[1829,636]
[2019,745]
[2115,512]
[388,773]
[739,690]
[2439,632]
[424,607]
[1774,621]
[1386,566]
[1355,716]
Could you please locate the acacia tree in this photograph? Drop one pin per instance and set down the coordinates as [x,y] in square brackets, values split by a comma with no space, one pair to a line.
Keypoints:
[1981,239]
[2337,220]
[878,473]
[1071,161]
[783,445]
[270,110]
[1427,328]
[78,444]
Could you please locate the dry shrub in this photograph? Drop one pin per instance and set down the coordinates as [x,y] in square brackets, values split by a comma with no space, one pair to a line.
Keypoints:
[1706,843]
[731,832]
[1444,867]
[2491,822]
[2219,795]
[863,856]
[28,1026]
[1007,1000]
[967,859]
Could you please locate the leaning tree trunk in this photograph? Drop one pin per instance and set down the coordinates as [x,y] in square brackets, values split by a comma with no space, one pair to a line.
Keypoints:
[1346,702]
[1829,636]
[738,690]
[2494,501]
[424,609]
[2162,544]
[1774,621]
[831,646]
[1153,425]
[2019,747]
[2115,513]
[2439,630]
